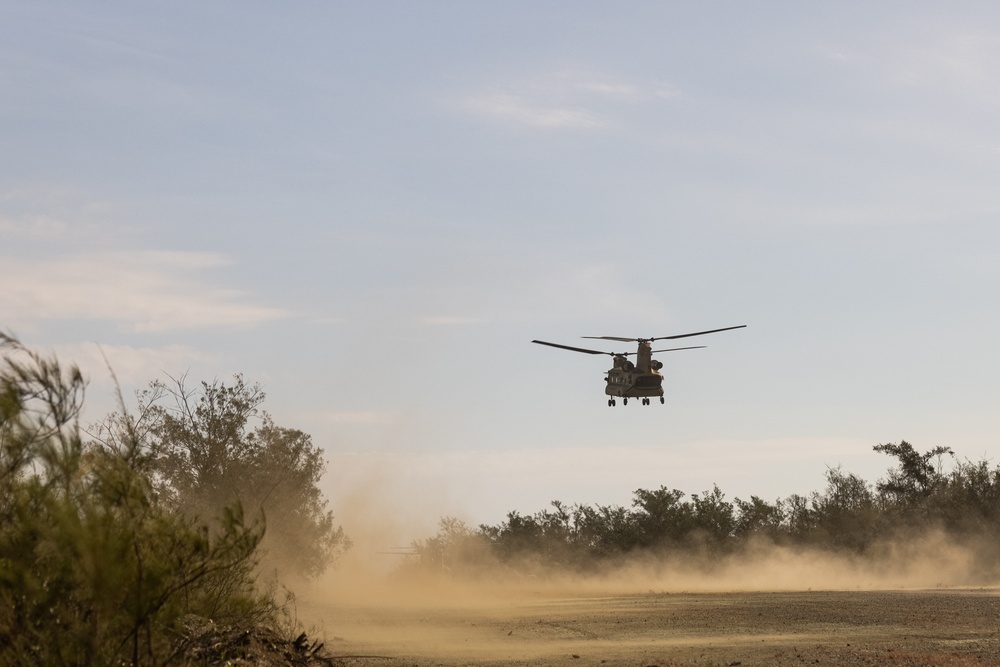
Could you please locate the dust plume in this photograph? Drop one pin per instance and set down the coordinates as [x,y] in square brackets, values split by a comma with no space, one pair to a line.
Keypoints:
[416,610]
[464,591]
[931,560]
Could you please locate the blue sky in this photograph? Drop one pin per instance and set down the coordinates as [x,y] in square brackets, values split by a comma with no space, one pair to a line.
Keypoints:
[373,208]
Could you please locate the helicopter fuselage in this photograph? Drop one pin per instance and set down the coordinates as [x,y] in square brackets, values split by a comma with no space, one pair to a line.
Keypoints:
[635,385]
[639,380]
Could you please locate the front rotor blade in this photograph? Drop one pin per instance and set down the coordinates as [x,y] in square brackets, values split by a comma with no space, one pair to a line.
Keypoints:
[622,340]
[697,333]
[574,349]
[674,349]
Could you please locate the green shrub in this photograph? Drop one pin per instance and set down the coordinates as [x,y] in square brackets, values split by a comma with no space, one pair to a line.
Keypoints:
[206,451]
[94,569]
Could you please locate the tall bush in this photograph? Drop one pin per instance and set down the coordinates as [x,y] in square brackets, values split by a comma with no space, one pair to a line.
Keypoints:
[94,569]
[216,445]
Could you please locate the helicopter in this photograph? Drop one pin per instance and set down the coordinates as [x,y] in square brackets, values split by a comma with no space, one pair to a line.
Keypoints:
[641,379]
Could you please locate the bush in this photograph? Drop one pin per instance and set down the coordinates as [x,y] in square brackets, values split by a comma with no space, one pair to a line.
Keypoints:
[205,454]
[849,517]
[94,569]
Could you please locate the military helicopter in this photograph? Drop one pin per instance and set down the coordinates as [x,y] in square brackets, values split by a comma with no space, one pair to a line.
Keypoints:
[641,379]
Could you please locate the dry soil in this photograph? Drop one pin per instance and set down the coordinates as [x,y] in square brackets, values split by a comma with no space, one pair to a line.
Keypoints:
[881,627]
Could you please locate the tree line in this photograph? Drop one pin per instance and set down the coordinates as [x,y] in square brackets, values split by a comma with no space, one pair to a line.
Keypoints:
[923,491]
[120,539]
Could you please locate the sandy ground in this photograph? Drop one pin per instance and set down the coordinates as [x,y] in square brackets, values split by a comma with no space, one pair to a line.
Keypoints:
[884,627]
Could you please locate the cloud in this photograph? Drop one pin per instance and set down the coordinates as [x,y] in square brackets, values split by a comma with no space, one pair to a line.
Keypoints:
[57,215]
[627,92]
[445,320]
[329,417]
[569,292]
[958,62]
[563,100]
[110,369]
[609,89]
[511,108]
[144,291]
[963,60]
[132,366]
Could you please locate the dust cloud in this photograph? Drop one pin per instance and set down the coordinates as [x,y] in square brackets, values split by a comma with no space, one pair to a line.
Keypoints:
[382,566]
[929,561]
[377,602]
[500,612]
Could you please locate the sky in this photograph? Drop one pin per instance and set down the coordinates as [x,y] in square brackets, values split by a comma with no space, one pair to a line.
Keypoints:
[373,208]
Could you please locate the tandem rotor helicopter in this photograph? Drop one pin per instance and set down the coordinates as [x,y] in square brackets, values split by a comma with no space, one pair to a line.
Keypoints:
[641,379]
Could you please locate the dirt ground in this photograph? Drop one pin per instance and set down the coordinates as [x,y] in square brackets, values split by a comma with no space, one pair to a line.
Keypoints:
[885,627]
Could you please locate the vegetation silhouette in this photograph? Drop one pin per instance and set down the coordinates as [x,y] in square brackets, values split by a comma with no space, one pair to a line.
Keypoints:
[103,558]
[205,455]
[850,517]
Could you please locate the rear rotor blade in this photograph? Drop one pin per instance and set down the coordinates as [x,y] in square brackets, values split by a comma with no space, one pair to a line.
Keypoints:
[674,349]
[574,349]
[618,338]
[697,333]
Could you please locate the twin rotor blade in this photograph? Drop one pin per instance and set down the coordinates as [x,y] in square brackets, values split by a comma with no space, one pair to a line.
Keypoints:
[613,354]
[637,340]
[574,349]
[674,349]
[649,340]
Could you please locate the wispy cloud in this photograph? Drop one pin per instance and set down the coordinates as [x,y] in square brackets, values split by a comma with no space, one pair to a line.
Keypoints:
[448,320]
[609,89]
[965,60]
[57,215]
[338,417]
[959,62]
[131,366]
[562,101]
[67,257]
[141,290]
[568,292]
[523,111]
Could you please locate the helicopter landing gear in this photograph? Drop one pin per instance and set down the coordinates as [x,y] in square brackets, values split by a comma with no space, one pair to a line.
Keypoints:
[645,401]
[611,402]
[625,401]
[662,400]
